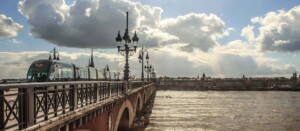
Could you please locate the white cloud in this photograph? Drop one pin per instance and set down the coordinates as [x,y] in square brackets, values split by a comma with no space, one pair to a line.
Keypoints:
[237,66]
[95,23]
[170,61]
[256,20]
[200,31]
[234,59]
[248,33]
[8,27]
[15,65]
[238,47]
[85,23]
[278,31]
[150,37]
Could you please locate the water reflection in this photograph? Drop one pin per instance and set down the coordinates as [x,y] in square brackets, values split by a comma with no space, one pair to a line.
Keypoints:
[231,110]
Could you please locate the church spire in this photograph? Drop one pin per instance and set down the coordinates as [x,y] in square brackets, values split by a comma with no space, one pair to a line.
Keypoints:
[92,60]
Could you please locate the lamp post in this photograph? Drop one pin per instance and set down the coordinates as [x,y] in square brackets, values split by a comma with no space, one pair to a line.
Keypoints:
[116,76]
[141,60]
[55,54]
[147,67]
[153,75]
[127,50]
[105,72]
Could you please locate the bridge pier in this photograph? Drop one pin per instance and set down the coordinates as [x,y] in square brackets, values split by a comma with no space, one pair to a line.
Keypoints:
[142,119]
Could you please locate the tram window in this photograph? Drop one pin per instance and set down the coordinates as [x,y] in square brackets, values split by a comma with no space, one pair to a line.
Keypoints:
[93,75]
[65,73]
[38,72]
[84,75]
[100,75]
[36,76]
[53,74]
[60,74]
[77,73]
[69,73]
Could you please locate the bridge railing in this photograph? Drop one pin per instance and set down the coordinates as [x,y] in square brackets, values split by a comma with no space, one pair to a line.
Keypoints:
[26,104]
[137,84]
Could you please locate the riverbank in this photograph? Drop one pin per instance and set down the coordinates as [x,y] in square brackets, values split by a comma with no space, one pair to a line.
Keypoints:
[197,88]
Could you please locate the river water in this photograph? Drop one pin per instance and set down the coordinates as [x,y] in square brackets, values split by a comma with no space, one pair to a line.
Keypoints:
[226,111]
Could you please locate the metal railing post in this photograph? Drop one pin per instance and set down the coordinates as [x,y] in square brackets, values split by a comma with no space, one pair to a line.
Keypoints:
[29,104]
[63,95]
[1,109]
[46,94]
[119,88]
[55,108]
[74,97]
[91,93]
[112,90]
[109,89]
[96,92]
[21,107]
[101,91]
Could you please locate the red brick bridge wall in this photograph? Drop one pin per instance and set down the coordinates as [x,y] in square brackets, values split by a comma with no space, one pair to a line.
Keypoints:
[122,115]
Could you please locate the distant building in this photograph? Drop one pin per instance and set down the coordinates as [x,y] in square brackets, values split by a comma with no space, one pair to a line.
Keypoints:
[294,77]
[203,76]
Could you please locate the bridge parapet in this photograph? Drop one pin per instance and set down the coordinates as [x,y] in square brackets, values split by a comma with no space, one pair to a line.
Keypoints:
[137,84]
[27,104]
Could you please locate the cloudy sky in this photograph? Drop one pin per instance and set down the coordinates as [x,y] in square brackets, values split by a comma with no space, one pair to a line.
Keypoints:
[225,38]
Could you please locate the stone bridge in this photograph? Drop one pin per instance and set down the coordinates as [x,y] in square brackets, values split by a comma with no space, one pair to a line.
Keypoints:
[84,105]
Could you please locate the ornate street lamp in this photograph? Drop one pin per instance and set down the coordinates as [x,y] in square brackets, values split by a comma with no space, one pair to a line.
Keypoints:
[55,54]
[141,60]
[105,72]
[116,76]
[147,67]
[153,74]
[127,50]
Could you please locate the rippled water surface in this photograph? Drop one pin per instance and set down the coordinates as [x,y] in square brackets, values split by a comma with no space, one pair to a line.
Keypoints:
[229,110]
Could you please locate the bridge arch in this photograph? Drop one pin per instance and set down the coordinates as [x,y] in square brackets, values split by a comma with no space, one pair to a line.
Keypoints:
[125,117]
[138,103]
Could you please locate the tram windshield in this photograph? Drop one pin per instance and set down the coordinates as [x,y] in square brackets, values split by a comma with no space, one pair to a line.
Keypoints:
[38,71]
